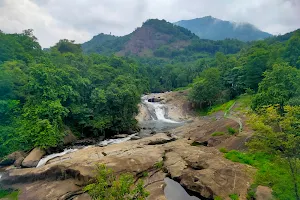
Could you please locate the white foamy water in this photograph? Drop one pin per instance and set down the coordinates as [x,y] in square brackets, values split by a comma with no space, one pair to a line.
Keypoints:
[115,141]
[44,160]
[160,111]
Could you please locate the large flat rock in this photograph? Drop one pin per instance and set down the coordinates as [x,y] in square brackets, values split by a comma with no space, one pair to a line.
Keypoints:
[202,170]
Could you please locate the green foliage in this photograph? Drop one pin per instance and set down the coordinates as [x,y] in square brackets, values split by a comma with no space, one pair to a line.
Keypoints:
[42,92]
[110,187]
[231,130]
[9,194]
[159,165]
[234,196]
[278,87]
[223,150]
[217,198]
[207,88]
[217,134]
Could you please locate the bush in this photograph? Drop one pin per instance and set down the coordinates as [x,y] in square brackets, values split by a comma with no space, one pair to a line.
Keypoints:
[272,172]
[223,150]
[159,165]
[231,130]
[234,196]
[217,134]
[108,186]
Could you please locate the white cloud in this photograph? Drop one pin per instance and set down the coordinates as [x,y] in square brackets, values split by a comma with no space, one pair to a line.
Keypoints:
[81,19]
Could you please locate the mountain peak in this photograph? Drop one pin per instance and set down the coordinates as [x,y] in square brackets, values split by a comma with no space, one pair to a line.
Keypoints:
[212,28]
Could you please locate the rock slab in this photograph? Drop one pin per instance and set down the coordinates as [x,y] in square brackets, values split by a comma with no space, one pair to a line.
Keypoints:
[33,158]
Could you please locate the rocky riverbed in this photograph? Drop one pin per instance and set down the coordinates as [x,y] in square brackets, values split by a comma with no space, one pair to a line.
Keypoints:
[202,170]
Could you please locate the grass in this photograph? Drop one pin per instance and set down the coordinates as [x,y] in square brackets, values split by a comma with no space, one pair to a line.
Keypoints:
[272,172]
[223,150]
[234,197]
[217,134]
[159,165]
[9,194]
[244,101]
[231,130]
[213,109]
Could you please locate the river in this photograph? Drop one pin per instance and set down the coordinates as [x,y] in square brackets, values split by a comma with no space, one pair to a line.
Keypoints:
[159,121]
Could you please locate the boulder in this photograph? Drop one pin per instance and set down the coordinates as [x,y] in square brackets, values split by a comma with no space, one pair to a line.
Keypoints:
[11,158]
[161,138]
[33,158]
[70,138]
[263,193]
[18,162]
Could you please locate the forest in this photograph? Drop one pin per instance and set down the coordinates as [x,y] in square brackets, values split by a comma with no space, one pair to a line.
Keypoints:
[43,93]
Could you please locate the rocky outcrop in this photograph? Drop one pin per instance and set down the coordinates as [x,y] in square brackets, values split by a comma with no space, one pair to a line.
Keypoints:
[263,193]
[13,158]
[202,170]
[69,138]
[33,158]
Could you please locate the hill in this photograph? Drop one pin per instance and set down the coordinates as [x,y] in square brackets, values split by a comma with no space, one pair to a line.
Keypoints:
[216,29]
[158,38]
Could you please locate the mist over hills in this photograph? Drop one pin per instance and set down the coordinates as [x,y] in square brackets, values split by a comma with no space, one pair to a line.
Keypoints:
[215,29]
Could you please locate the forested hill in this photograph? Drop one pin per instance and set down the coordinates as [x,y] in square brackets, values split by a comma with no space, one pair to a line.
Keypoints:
[216,29]
[158,38]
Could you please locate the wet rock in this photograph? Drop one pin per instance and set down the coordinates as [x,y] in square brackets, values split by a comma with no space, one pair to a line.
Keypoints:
[33,158]
[135,138]
[155,99]
[120,136]
[161,139]
[263,193]
[11,158]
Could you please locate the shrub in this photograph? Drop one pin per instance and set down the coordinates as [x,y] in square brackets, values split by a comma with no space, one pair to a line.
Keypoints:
[108,186]
[217,134]
[223,150]
[234,196]
[231,130]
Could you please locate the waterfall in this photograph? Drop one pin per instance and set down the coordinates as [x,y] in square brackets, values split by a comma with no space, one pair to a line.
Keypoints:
[157,111]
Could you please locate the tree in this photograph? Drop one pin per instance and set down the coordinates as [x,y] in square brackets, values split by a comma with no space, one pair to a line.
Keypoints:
[68,46]
[278,134]
[207,88]
[279,85]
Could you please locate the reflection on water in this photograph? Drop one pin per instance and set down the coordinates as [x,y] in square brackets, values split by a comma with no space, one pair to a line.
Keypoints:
[174,191]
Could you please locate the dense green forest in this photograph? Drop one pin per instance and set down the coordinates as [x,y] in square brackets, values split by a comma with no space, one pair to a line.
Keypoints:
[42,93]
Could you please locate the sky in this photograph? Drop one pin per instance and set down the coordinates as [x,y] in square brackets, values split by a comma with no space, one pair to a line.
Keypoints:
[80,20]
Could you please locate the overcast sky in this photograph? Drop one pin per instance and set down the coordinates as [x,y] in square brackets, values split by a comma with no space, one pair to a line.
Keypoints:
[81,19]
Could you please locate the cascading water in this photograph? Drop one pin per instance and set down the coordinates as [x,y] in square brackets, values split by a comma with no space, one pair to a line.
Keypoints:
[159,118]
[44,160]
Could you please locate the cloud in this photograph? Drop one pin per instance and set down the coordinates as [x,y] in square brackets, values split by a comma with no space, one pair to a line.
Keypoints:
[81,19]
